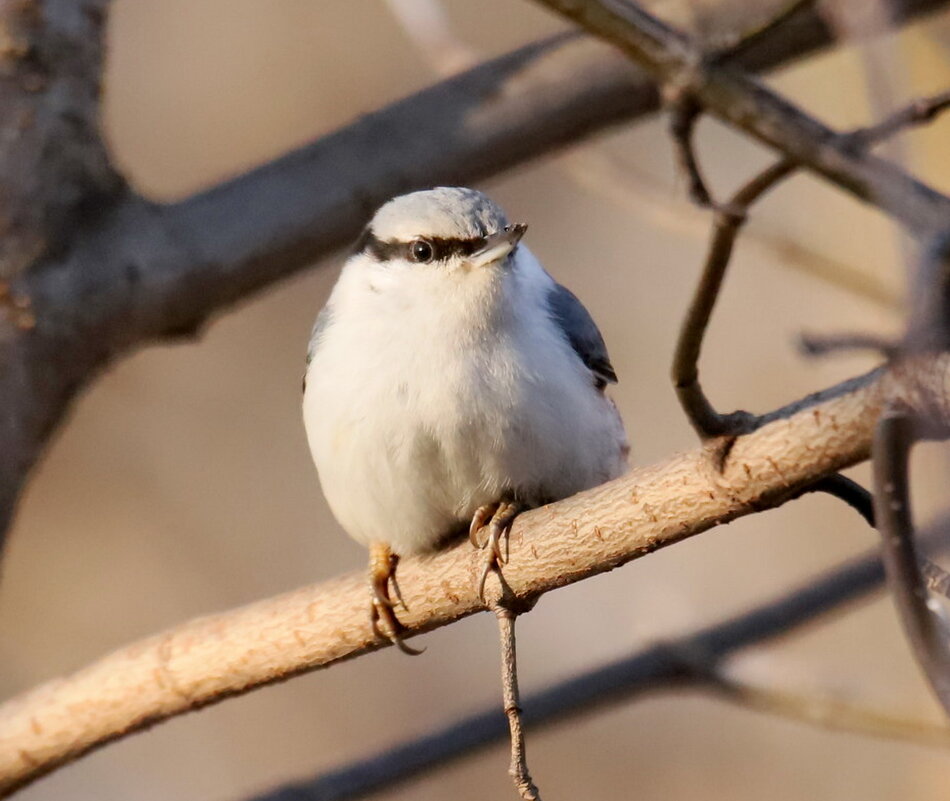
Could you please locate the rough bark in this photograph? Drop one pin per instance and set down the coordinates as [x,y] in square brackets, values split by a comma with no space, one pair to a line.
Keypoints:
[53,163]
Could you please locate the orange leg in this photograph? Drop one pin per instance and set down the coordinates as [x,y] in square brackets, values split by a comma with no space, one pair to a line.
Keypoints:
[382,572]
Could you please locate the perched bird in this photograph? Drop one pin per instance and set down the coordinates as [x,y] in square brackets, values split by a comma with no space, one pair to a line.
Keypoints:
[450,383]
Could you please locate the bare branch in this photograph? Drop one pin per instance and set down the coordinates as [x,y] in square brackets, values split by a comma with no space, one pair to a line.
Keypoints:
[587,534]
[829,713]
[727,93]
[923,620]
[824,344]
[921,112]
[847,491]
[785,19]
[53,161]
[728,220]
[658,667]
[684,115]
[518,769]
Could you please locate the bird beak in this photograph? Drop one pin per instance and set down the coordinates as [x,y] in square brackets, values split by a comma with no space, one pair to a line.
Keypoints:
[497,246]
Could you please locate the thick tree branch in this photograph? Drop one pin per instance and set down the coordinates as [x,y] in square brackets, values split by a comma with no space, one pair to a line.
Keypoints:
[53,162]
[665,665]
[138,272]
[556,545]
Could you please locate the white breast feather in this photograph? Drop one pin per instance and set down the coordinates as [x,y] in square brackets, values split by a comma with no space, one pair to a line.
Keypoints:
[432,394]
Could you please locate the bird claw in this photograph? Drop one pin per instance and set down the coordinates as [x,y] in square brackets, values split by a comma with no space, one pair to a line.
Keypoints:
[382,573]
[383,612]
[482,515]
[498,518]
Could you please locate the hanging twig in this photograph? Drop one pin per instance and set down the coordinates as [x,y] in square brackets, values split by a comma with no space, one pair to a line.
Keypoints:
[684,114]
[518,769]
[654,668]
[923,619]
[728,219]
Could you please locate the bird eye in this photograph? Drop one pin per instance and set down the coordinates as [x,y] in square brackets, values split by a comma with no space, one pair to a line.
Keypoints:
[420,251]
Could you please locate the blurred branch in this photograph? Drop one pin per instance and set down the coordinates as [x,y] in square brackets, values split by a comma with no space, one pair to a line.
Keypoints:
[924,621]
[212,658]
[664,666]
[823,344]
[684,115]
[772,27]
[643,195]
[728,93]
[729,219]
[920,112]
[53,162]
[830,713]
[137,272]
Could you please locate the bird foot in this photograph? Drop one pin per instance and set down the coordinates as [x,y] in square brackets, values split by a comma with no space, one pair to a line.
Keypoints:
[497,518]
[382,574]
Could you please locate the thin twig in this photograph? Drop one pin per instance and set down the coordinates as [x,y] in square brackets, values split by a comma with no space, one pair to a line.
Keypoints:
[518,769]
[858,498]
[829,713]
[728,220]
[825,344]
[921,111]
[684,114]
[923,619]
[846,490]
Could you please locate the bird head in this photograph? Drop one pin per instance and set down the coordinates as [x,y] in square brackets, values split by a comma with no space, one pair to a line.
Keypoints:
[446,229]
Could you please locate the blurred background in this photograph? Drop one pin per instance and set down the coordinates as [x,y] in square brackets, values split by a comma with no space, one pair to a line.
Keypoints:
[183,485]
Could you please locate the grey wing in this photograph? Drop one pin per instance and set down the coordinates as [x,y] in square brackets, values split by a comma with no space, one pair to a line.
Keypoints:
[581,331]
[316,336]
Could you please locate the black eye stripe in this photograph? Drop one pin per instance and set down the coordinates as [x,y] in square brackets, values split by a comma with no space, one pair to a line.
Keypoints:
[442,248]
